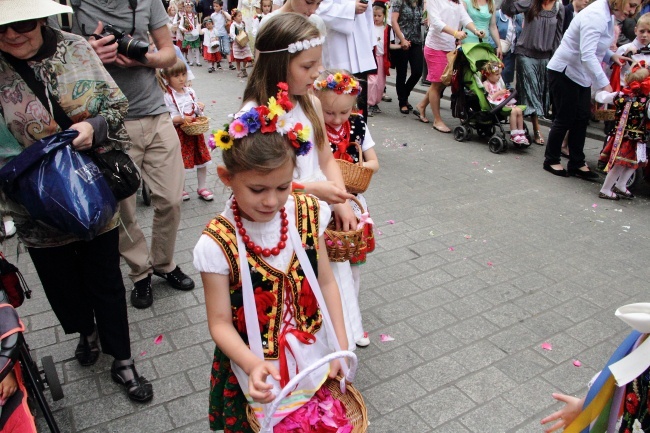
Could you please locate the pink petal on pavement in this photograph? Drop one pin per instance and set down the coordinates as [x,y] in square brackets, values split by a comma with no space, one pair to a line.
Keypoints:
[214,102]
[158,339]
[386,338]
[490,264]
[594,205]
[451,248]
[143,353]
[379,232]
[577,363]
[547,346]
[390,222]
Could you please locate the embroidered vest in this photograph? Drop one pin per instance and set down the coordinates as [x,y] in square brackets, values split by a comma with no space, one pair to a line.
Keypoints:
[274,289]
[357,135]
[635,127]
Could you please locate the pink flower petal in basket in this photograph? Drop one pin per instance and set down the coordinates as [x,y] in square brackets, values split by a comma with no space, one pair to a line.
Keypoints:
[158,339]
[384,338]
[547,346]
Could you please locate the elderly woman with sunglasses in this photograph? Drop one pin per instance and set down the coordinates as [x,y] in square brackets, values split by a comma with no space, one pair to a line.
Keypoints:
[81,279]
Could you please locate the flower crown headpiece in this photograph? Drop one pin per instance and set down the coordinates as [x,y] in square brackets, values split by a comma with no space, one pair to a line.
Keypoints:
[340,83]
[269,118]
[299,46]
[492,68]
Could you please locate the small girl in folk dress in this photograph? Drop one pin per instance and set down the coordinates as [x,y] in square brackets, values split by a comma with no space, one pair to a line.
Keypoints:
[337,91]
[383,34]
[240,53]
[626,145]
[261,250]
[267,7]
[211,48]
[182,105]
[188,24]
[497,93]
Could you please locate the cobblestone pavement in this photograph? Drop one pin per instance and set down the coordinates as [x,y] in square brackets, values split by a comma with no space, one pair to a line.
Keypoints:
[480,259]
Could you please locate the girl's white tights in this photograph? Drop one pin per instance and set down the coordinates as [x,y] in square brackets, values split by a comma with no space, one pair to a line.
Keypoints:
[201,176]
[618,175]
[195,51]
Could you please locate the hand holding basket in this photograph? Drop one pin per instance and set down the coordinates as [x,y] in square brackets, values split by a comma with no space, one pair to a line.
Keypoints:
[343,245]
[197,126]
[340,388]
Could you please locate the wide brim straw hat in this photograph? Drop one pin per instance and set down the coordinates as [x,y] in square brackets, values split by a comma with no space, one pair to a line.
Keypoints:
[21,10]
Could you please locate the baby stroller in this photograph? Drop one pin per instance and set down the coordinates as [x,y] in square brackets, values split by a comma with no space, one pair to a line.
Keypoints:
[469,100]
[14,349]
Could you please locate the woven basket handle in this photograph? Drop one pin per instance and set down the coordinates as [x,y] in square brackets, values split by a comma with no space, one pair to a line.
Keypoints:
[266,424]
[358,203]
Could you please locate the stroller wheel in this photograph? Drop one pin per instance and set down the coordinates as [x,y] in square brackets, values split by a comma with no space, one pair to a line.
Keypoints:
[52,378]
[461,133]
[497,144]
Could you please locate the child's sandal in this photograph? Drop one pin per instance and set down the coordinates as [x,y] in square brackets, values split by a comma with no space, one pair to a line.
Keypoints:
[205,194]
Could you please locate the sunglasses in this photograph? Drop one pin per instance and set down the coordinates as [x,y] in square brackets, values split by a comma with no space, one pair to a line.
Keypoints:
[20,26]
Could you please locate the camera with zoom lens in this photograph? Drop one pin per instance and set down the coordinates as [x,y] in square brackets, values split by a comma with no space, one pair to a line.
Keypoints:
[127,45]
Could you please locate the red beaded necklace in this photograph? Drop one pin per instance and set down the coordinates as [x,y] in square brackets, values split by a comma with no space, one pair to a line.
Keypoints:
[250,245]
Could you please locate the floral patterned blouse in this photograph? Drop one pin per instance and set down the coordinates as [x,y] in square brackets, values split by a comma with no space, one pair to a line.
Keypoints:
[410,19]
[75,77]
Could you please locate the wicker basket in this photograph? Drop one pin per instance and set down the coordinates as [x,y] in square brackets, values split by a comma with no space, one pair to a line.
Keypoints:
[341,245]
[199,126]
[605,115]
[355,407]
[355,176]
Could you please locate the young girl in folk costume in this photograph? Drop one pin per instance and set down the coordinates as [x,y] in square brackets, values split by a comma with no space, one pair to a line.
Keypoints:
[172,13]
[240,53]
[255,260]
[497,93]
[337,91]
[290,50]
[183,107]
[383,35]
[188,24]
[626,146]
[267,7]
[211,49]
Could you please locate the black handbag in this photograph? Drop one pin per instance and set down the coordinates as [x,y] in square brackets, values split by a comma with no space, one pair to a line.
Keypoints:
[119,170]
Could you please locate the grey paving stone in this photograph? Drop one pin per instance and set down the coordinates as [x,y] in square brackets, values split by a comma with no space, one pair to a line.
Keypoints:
[395,362]
[506,315]
[393,394]
[432,278]
[175,362]
[498,414]
[396,311]
[442,406]
[590,332]
[93,412]
[526,403]
[430,321]
[399,289]
[433,297]
[569,379]
[401,332]
[190,335]
[514,338]
[468,306]
[486,384]
[478,355]
[500,293]
[402,419]
[465,286]
[472,329]
[175,303]
[155,326]
[522,366]
[189,409]
[435,345]
[577,309]
[564,348]
[155,419]
[549,323]
[438,373]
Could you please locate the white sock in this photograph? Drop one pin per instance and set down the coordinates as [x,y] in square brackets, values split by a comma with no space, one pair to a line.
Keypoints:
[626,174]
[610,180]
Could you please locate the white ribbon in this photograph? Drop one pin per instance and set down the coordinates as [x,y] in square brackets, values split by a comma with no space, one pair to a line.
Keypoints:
[638,361]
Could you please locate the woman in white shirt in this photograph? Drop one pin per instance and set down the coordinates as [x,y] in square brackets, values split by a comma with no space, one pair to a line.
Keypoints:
[572,71]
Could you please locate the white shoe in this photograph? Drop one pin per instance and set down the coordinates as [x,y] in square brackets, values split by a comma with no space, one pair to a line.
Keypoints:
[363,341]
[10,228]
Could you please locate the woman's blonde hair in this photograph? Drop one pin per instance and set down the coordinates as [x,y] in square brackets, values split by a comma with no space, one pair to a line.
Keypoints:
[618,5]
[272,68]
[490,4]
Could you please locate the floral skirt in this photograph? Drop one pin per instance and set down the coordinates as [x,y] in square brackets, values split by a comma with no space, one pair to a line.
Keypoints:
[194,150]
[626,155]
[227,402]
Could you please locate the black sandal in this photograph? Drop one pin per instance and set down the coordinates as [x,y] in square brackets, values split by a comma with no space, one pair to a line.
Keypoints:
[138,389]
[404,110]
[87,351]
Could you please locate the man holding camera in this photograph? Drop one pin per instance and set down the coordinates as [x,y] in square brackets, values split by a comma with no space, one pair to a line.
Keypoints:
[156,149]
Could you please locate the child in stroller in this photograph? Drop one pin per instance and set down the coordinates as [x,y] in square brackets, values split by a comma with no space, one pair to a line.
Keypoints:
[470,104]
[497,93]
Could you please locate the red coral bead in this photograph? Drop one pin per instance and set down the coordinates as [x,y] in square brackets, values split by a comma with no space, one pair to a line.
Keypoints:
[266,252]
[257,250]
[281,245]
[284,230]
[250,246]
[245,238]
[283,237]
[275,251]
[239,224]
[285,223]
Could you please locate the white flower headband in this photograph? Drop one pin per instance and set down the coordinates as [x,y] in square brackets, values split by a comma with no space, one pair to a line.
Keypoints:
[300,45]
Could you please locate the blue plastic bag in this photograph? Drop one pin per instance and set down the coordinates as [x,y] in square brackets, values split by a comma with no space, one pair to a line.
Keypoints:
[60,186]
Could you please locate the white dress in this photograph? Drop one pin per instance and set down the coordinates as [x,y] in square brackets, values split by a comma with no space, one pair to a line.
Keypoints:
[308,170]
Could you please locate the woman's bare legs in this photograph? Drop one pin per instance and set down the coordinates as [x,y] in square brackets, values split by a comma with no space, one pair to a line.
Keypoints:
[435,92]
